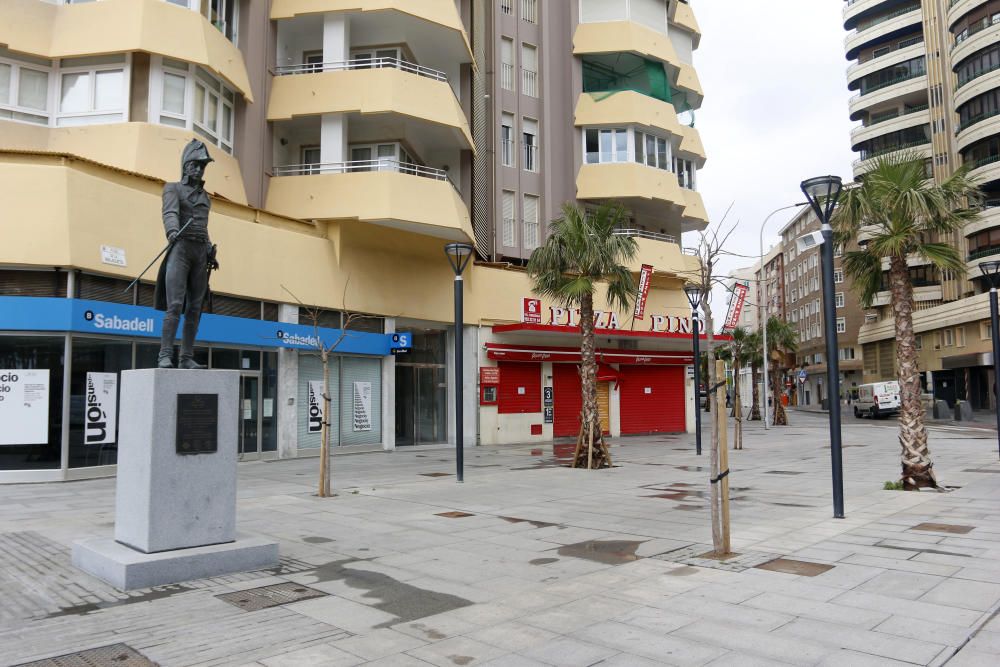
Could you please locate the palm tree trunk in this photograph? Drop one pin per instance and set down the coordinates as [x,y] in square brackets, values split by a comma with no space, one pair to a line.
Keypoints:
[780,416]
[716,498]
[737,407]
[755,392]
[591,440]
[916,459]
[324,448]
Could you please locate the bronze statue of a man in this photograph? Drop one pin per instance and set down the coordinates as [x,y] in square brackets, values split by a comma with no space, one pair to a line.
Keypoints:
[182,282]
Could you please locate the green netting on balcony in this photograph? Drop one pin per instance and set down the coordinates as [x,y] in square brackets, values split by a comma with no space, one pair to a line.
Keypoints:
[604,76]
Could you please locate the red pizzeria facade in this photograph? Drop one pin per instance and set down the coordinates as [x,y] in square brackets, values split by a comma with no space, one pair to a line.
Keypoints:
[529,380]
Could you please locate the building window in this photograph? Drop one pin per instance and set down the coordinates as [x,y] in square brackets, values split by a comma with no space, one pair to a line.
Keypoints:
[985,331]
[685,171]
[530,216]
[838,276]
[838,299]
[651,150]
[529,134]
[959,336]
[605,146]
[529,11]
[529,70]
[841,325]
[92,90]
[24,89]
[191,98]
[507,230]
[918,342]
[507,7]
[846,353]
[949,337]
[507,63]
[507,139]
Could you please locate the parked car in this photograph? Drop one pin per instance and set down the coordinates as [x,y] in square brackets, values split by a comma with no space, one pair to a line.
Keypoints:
[878,399]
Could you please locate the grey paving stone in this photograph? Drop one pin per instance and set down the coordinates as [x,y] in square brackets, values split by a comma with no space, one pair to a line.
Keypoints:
[379,643]
[906,585]
[754,642]
[513,636]
[323,655]
[972,658]
[568,651]
[822,611]
[909,609]
[457,651]
[932,631]
[845,658]
[668,649]
[336,611]
[863,641]
[966,594]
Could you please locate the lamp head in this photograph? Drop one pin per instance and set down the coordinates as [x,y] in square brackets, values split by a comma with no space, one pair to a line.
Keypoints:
[991,271]
[459,255]
[823,193]
[693,293]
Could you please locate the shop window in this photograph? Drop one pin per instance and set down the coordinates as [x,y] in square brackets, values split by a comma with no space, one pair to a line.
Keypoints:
[95,386]
[236,360]
[41,449]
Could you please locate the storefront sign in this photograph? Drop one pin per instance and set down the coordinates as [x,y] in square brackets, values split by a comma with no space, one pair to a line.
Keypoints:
[314,407]
[503,352]
[645,276]
[99,317]
[362,406]
[608,320]
[100,420]
[547,396]
[489,375]
[531,311]
[736,305]
[549,415]
[112,255]
[24,407]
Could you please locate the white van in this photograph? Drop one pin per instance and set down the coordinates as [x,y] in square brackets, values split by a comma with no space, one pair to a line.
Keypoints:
[878,399]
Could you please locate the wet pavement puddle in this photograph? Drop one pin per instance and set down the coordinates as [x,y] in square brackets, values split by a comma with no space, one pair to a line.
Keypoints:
[609,552]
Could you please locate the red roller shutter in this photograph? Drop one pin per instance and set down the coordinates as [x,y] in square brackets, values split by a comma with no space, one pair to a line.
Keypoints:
[652,399]
[515,377]
[568,400]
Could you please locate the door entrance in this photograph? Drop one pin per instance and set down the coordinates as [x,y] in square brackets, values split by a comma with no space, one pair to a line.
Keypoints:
[420,405]
[249,423]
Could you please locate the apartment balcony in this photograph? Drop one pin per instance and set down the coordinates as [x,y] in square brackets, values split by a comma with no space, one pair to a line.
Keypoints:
[121,26]
[627,37]
[383,192]
[881,125]
[921,292]
[910,87]
[661,251]
[976,129]
[985,170]
[959,8]
[436,23]
[977,39]
[855,10]
[418,99]
[652,194]
[989,217]
[858,70]
[632,108]
[895,24]
[922,149]
[682,16]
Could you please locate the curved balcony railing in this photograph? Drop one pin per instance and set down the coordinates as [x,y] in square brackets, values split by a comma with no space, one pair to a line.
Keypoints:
[643,234]
[882,118]
[891,82]
[362,63]
[983,252]
[357,166]
[887,17]
[902,147]
[978,118]
[983,161]
[973,29]
[962,82]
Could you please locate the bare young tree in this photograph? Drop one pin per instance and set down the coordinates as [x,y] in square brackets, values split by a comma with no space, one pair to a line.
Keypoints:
[710,248]
[323,350]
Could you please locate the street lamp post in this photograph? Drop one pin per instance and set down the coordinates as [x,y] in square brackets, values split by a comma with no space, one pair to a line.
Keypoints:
[823,193]
[693,293]
[459,255]
[991,271]
[760,289]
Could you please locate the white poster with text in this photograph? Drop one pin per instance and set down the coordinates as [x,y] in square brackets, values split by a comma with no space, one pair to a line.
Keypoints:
[314,407]
[362,406]
[24,407]
[100,421]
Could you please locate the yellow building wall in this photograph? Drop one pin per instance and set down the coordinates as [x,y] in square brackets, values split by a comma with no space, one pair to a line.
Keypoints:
[121,26]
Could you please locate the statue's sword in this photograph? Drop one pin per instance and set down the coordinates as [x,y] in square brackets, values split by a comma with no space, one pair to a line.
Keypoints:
[168,246]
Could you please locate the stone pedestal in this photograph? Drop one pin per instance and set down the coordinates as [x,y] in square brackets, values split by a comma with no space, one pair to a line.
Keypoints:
[175,498]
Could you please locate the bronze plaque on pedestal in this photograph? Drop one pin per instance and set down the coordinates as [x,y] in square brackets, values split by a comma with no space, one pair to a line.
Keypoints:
[197,423]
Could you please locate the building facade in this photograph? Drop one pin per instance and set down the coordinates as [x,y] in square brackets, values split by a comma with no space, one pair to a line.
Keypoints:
[352,141]
[927,79]
[806,380]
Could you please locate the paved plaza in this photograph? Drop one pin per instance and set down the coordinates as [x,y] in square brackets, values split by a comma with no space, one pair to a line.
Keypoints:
[532,563]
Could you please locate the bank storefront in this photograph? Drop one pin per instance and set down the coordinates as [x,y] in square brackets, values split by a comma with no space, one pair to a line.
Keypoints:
[60,368]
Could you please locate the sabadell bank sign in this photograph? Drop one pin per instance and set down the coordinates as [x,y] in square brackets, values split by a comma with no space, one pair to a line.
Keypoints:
[122,325]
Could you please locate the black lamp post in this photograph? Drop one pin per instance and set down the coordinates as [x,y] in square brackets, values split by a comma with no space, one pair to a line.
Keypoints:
[991,272]
[459,255]
[823,193]
[693,293]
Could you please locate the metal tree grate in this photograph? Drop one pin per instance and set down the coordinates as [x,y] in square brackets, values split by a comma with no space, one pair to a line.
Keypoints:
[115,655]
[254,599]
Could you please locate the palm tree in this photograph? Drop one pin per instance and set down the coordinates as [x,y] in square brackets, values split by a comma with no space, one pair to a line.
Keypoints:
[901,213]
[781,337]
[755,360]
[738,351]
[581,251]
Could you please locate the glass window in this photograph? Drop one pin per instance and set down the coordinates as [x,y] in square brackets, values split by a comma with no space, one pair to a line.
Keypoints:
[75,92]
[621,146]
[592,146]
[109,87]
[94,441]
[33,89]
[661,154]
[650,150]
[5,70]
[39,353]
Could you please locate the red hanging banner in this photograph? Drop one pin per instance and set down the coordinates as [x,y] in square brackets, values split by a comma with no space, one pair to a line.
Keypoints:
[736,305]
[645,276]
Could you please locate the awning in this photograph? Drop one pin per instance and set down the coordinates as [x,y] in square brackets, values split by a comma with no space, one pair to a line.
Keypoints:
[502,352]
[967,360]
[552,329]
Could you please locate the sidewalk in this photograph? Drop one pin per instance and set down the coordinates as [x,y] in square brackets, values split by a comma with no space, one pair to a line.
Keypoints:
[531,563]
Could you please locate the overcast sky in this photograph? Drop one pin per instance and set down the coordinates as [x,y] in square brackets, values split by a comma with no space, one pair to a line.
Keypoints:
[775,110]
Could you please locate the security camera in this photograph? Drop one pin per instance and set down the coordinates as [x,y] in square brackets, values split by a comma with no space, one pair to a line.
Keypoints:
[809,241]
